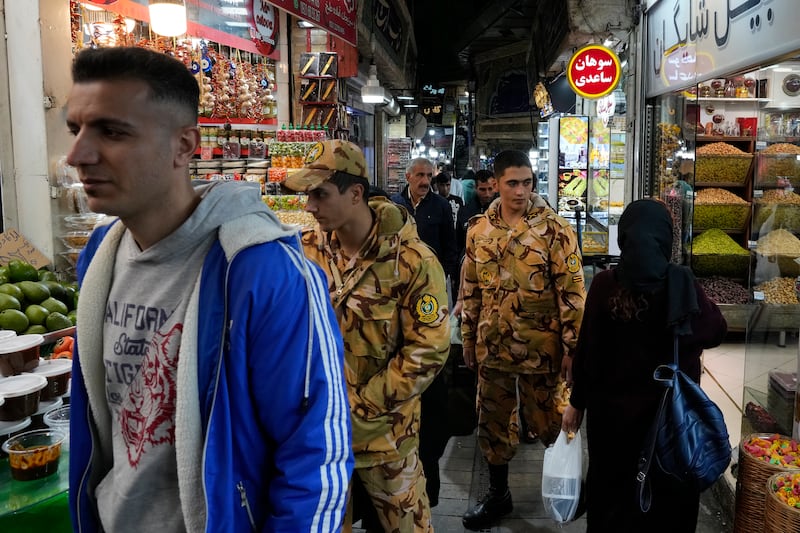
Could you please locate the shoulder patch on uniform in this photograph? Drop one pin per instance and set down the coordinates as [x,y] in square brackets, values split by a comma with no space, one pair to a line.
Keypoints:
[427,308]
[573,263]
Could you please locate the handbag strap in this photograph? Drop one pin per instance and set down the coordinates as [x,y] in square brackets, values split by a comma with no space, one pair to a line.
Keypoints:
[646,458]
[646,455]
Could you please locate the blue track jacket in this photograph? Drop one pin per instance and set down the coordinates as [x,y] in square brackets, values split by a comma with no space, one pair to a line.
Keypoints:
[262,436]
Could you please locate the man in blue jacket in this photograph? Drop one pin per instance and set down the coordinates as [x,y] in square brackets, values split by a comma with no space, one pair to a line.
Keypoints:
[207,387]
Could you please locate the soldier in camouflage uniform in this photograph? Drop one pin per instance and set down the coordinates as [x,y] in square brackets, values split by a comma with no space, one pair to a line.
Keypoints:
[388,290]
[523,297]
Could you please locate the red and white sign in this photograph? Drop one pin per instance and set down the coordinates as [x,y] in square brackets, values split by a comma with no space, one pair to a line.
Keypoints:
[337,17]
[594,71]
[265,26]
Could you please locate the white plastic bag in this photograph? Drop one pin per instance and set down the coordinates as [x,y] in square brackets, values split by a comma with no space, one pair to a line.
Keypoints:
[561,477]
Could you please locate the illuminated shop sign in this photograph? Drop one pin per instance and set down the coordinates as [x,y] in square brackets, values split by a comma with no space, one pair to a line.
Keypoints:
[695,40]
[593,71]
[337,17]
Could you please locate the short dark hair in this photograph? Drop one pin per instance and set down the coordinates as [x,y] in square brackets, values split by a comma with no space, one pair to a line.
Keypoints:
[510,158]
[167,78]
[482,176]
[442,177]
[345,180]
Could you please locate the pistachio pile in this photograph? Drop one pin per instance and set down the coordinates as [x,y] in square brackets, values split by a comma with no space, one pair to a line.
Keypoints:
[715,196]
[718,208]
[721,163]
[779,291]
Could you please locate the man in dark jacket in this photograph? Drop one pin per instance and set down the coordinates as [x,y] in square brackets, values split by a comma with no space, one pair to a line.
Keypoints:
[435,227]
[485,192]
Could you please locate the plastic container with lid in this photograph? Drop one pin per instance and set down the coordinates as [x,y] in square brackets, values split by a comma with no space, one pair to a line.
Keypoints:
[57,372]
[21,394]
[58,418]
[34,454]
[19,353]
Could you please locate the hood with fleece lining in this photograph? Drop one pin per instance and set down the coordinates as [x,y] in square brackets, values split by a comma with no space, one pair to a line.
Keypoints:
[230,206]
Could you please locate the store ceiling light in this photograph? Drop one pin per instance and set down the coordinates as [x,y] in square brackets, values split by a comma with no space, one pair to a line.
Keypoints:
[304,24]
[410,105]
[405,97]
[168,17]
[372,92]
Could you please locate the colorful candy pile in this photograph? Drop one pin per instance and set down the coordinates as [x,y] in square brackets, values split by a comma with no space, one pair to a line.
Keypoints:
[787,489]
[774,450]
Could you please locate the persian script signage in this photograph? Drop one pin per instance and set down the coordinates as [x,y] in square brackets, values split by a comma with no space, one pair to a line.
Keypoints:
[265,24]
[593,71]
[338,17]
[694,40]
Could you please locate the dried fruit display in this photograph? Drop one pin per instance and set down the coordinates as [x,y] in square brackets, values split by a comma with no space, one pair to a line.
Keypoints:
[778,291]
[775,209]
[724,291]
[718,208]
[714,252]
[778,164]
[721,163]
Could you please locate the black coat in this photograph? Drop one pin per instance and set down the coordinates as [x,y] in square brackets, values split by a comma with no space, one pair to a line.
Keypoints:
[434,219]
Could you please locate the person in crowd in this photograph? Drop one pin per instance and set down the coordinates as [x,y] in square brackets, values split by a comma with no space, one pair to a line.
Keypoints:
[485,193]
[200,400]
[443,181]
[389,293]
[434,221]
[456,188]
[639,301]
[468,185]
[523,297]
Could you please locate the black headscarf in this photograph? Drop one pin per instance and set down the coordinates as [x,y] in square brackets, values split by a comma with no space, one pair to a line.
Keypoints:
[645,242]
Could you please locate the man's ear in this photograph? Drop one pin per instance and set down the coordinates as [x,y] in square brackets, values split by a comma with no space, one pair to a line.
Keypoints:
[188,141]
[358,192]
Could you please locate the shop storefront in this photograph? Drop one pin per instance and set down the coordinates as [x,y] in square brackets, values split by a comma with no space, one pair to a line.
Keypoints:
[722,149]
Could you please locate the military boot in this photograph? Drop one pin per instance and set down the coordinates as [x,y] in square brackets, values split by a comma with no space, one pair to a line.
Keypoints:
[494,505]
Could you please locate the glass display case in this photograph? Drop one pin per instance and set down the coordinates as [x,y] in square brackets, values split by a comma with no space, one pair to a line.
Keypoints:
[543,164]
[580,179]
[726,160]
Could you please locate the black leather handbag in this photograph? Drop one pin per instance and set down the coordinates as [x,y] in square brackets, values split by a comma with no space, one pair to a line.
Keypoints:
[688,439]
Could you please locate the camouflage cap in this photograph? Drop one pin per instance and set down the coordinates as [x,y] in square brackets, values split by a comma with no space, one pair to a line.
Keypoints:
[323,160]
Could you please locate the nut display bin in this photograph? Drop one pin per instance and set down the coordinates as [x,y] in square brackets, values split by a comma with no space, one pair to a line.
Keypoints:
[775,216]
[723,216]
[777,169]
[722,168]
[738,316]
[787,264]
[726,265]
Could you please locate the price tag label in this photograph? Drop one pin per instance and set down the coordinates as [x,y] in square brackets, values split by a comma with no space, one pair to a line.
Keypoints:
[752,245]
[758,193]
[758,296]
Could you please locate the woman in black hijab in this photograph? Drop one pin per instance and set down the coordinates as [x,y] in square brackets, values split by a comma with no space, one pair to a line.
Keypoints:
[627,331]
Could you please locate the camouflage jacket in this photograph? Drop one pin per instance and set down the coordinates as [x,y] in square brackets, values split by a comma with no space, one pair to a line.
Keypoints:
[523,290]
[391,302]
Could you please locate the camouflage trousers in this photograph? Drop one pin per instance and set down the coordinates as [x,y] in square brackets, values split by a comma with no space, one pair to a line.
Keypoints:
[397,491]
[499,397]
